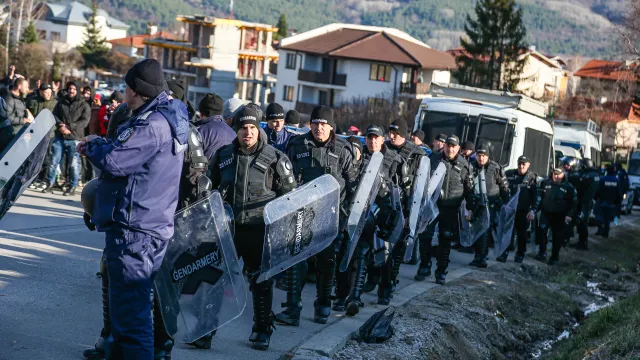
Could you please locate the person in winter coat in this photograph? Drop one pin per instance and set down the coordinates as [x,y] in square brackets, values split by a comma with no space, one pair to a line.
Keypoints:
[16,108]
[72,115]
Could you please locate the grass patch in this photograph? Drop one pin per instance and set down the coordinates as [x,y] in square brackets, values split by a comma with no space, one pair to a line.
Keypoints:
[612,331]
[569,277]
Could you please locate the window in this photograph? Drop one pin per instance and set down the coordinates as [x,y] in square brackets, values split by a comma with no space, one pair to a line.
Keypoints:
[537,147]
[323,97]
[55,36]
[380,72]
[288,93]
[291,61]
[42,34]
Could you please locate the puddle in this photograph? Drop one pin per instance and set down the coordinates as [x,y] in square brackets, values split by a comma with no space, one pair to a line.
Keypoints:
[590,309]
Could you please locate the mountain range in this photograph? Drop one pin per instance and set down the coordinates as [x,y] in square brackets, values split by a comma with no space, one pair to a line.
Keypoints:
[558,27]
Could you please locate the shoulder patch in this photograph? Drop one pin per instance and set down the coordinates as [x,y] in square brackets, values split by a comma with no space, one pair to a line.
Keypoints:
[125,135]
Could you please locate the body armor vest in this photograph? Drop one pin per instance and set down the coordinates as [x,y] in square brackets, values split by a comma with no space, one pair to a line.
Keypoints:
[312,162]
[243,182]
[452,192]
[527,197]
[558,198]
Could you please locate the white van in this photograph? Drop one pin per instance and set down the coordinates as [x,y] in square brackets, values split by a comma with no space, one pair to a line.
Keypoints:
[584,137]
[511,125]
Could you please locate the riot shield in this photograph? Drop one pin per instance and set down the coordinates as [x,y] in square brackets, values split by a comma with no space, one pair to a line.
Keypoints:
[362,201]
[420,187]
[200,285]
[506,224]
[430,208]
[22,159]
[396,231]
[471,231]
[299,225]
[381,251]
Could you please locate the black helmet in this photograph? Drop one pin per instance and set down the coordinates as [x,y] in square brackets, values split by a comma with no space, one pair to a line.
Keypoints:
[570,161]
[588,164]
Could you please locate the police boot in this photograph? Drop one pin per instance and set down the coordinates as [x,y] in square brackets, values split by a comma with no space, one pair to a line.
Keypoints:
[163,351]
[503,258]
[519,258]
[395,270]
[354,303]
[204,342]
[384,294]
[322,305]
[441,276]
[542,256]
[262,316]
[373,279]
[415,256]
[444,252]
[293,306]
[424,270]
[98,351]
[343,281]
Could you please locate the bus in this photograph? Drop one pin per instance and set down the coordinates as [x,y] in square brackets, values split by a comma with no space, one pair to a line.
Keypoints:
[510,125]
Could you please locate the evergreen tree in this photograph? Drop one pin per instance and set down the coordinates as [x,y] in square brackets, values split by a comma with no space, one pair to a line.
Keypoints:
[56,69]
[495,40]
[94,48]
[282,27]
[30,35]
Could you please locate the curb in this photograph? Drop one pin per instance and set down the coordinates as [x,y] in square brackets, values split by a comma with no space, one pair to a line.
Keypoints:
[333,338]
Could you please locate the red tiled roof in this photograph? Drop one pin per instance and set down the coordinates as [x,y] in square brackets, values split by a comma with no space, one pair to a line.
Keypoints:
[137,41]
[583,109]
[608,70]
[373,46]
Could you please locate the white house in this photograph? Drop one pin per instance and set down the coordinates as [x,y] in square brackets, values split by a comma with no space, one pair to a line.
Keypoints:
[338,63]
[231,58]
[62,26]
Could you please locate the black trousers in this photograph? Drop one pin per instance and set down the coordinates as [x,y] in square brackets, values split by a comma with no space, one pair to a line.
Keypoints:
[521,231]
[447,228]
[558,227]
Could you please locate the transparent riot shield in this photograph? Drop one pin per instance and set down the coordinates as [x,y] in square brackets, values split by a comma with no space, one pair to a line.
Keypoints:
[418,201]
[200,285]
[299,225]
[22,159]
[471,231]
[362,201]
[430,208]
[397,229]
[381,251]
[506,224]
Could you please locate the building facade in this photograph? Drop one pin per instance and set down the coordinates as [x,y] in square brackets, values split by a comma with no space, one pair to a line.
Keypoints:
[231,58]
[62,26]
[340,63]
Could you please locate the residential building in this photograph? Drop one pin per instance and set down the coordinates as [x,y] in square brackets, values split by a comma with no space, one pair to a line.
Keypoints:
[543,77]
[338,63]
[231,58]
[608,80]
[62,26]
[133,45]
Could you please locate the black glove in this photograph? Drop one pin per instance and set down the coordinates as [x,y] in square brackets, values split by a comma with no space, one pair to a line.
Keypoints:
[88,223]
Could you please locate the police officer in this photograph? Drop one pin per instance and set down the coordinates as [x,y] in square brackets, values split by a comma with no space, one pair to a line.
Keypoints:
[439,143]
[528,202]
[608,197]
[457,186]
[572,168]
[314,154]
[385,219]
[467,150]
[589,183]
[292,118]
[497,194]
[215,132]
[249,173]
[411,155]
[277,134]
[558,205]
[142,167]
[623,177]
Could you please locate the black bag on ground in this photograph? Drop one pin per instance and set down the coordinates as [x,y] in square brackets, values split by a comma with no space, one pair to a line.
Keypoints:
[378,328]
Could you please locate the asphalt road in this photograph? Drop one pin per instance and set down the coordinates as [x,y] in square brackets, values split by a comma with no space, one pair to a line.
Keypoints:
[50,302]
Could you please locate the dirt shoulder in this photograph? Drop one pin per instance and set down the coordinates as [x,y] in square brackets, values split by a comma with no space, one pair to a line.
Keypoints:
[518,311]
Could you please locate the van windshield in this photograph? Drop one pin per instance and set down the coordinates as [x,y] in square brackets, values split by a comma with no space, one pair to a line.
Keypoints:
[494,132]
[633,168]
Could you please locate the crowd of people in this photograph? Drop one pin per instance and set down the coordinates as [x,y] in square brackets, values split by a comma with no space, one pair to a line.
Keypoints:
[151,150]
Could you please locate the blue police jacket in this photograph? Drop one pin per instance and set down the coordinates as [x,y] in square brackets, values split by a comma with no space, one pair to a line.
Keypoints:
[279,140]
[141,169]
[215,134]
[610,191]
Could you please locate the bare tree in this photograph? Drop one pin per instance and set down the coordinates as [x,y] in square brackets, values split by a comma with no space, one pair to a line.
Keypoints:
[630,30]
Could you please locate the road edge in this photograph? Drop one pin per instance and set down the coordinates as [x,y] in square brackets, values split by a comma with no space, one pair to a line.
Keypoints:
[333,338]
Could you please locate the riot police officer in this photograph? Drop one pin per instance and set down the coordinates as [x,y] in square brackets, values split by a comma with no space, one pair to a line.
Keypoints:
[572,169]
[608,197]
[457,186]
[623,177]
[497,194]
[411,155]
[558,205]
[438,143]
[528,202]
[146,154]
[314,154]
[277,133]
[384,218]
[249,173]
[589,183]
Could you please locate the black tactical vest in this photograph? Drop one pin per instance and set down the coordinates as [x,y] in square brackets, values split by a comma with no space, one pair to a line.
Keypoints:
[311,162]
[589,182]
[452,192]
[244,181]
[558,198]
[527,185]
[493,190]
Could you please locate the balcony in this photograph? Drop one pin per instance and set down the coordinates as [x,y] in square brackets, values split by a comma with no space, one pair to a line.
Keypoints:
[322,77]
